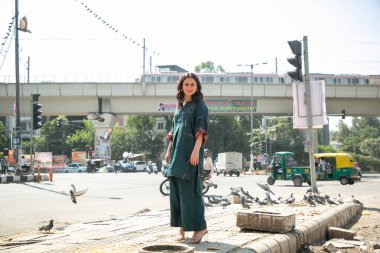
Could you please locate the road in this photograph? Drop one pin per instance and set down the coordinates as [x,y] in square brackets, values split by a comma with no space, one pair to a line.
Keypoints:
[24,207]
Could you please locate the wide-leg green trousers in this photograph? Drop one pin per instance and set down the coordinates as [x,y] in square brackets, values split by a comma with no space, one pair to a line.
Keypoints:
[186,204]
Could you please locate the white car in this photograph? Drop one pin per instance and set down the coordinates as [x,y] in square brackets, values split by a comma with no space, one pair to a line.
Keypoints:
[140,165]
[75,167]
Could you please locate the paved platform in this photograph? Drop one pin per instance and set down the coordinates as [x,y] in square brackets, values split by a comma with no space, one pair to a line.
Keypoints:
[131,233]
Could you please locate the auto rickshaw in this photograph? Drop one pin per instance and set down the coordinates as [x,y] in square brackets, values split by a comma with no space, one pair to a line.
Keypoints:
[336,166]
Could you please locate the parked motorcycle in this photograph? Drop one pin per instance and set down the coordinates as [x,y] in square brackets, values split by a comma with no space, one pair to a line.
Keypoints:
[207,184]
[152,167]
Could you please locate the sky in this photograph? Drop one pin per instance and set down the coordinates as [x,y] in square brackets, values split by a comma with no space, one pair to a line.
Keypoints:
[69,42]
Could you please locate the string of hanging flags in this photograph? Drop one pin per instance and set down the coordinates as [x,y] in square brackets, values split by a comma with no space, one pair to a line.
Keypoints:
[113,27]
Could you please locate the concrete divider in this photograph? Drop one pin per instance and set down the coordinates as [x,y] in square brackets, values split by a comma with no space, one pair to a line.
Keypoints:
[308,231]
[17,179]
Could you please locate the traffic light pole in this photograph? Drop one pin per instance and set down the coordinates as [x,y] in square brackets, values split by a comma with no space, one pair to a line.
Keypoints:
[31,161]
[309,117]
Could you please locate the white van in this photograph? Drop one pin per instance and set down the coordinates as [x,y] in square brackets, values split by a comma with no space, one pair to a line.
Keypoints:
[140,165]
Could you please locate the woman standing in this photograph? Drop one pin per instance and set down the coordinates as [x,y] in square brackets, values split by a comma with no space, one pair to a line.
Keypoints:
[185,158]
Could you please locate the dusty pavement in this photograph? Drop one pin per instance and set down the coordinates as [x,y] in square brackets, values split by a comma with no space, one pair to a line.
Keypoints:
[127,234]
[366,226]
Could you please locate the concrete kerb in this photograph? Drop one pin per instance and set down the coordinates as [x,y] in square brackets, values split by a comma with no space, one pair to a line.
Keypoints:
[307,232]
[24,178]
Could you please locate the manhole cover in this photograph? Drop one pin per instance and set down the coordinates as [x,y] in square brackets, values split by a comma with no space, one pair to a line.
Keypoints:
[166,249]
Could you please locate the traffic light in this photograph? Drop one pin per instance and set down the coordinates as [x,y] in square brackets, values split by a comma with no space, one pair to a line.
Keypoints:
[296,61]
[343,114]
[36,112]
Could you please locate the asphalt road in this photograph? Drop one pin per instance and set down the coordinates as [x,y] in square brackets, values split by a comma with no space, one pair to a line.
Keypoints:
[26,206]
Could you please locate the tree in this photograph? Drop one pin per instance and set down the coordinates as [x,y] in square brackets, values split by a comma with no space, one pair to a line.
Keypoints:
[228,133]
[208,67]
[284,138]
[3,138]
[361,140]
[143,137]
[81,139]
[119,142]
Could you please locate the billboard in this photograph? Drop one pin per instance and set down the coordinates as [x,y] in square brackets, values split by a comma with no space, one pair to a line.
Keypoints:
[43,160]
[218,105]
[79,157]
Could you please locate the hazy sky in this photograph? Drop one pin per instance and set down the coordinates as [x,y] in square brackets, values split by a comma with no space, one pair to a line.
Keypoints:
[68,39]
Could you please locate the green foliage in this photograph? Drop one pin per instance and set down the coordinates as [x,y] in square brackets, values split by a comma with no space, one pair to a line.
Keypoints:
[3,140]
[81,139]
[284,138]
[368,163]
[362,141]
[143,138]
[326,149]
[371,147]
[208,67]
[119,142]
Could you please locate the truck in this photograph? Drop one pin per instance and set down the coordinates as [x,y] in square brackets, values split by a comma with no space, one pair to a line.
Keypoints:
[229,163]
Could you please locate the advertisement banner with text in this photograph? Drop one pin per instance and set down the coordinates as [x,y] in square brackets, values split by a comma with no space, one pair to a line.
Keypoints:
[221,105]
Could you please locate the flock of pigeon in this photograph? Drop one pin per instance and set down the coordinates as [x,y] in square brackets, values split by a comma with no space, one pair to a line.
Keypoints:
[270,199]
[73,195]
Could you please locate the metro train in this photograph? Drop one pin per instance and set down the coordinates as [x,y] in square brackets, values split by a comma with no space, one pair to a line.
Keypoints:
[239,78]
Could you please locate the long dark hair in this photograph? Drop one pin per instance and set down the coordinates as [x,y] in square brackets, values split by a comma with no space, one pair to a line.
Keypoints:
[196,97]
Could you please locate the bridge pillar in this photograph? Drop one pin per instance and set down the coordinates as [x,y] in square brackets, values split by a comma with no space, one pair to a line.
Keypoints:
[102,146]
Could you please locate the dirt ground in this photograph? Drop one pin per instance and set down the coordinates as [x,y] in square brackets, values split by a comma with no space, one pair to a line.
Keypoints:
[367,229]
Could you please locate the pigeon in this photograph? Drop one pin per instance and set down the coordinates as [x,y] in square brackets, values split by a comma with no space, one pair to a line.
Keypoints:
[319,200]
[261,202]
[309,200]
[271,200]
[74,193]
[291,199]
[340,199]
[213,200]
[207,205]
[265,187]
[330,202]
[244,203]
[355,200]
[47,227]
[224,203]
[246,193]
[235,192]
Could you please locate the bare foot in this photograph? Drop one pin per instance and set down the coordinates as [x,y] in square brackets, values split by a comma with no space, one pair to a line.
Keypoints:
[198,236]
[181,235]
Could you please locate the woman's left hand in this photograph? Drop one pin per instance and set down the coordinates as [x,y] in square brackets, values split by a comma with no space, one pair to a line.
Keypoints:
[194,158]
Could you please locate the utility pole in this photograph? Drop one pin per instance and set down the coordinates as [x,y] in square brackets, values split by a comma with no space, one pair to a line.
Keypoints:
[251,107]
[143,74]
[309,117]
[28,68]
[18,123]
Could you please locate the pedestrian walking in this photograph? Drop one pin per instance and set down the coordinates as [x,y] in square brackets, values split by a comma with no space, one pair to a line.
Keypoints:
[4,165]
[185,157]
[208,165]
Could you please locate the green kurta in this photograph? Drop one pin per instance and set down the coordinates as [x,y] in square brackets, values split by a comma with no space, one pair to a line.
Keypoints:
[188,122]
[186,202]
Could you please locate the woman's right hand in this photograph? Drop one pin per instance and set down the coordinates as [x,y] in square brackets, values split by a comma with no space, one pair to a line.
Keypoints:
[167,157]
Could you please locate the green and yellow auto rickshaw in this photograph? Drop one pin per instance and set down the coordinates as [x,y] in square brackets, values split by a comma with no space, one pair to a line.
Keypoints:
[336,166]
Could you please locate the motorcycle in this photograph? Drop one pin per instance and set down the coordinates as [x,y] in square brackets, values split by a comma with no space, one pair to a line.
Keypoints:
[207,184]
[152,168]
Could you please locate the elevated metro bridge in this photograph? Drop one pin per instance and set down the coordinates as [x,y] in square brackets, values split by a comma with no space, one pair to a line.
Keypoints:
[144,98]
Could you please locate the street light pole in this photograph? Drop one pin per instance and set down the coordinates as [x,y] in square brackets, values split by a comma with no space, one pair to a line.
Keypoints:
[251,107]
